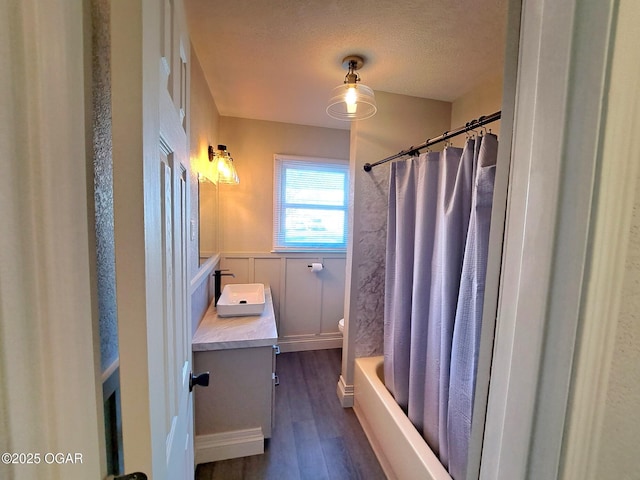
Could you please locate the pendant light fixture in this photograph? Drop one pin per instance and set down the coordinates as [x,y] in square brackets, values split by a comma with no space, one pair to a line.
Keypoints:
[352,100]
[221,166]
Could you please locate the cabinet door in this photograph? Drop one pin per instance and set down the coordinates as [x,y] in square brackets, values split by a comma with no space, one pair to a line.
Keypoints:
[240,394]
[302,311]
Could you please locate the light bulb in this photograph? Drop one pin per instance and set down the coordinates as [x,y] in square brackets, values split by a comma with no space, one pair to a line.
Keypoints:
[351,98]
[223,168]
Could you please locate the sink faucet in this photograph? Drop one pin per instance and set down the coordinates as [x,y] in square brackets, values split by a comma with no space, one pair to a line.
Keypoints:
[217,275]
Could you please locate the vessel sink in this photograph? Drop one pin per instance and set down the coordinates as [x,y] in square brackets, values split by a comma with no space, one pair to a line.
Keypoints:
[241,299]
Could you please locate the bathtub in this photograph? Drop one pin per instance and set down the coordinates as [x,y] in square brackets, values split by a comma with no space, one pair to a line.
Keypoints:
[401,450]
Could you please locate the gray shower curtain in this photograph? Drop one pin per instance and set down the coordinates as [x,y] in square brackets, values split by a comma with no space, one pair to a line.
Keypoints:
[437,242]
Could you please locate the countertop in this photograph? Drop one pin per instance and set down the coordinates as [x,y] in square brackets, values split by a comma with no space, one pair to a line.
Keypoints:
[223,333]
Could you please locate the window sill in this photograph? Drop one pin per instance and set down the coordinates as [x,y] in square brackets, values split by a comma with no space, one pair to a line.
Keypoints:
[309,250]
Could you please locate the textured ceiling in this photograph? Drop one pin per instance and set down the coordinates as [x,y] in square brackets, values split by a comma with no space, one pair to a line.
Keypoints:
[278,60]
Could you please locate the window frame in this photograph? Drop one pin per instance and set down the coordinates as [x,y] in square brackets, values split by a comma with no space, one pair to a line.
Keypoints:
[280,164]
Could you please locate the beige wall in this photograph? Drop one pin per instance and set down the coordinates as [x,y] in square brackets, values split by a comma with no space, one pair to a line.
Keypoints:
[203,127]
[620,435]
[484,99]
[246,210]
[203,131]
[618,456]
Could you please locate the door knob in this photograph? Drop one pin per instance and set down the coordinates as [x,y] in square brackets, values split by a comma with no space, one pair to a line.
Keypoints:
[201,379]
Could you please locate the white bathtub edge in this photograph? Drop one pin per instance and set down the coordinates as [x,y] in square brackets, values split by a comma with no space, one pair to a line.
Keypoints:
[400,449]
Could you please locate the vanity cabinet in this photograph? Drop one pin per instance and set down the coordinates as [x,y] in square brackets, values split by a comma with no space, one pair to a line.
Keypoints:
[234,414]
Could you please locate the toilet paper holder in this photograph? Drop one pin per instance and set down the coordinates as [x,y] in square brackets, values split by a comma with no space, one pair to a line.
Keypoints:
[315,267]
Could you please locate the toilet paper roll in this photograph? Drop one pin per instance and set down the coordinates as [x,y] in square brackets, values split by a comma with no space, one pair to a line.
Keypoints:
[316,267]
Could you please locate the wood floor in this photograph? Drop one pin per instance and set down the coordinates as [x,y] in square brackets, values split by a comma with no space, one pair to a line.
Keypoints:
[313,436]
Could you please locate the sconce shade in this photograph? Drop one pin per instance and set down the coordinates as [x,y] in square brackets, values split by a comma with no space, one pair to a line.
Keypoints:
[352,100]
[225,171]
[220,168]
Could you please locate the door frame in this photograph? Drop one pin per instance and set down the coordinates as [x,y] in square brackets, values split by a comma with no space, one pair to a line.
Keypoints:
[50,392]
[610,239]
[567,200]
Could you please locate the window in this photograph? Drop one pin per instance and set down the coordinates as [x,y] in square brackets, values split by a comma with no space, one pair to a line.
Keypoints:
[310,203]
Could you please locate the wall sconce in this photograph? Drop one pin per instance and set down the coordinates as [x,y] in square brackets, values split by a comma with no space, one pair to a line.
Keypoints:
[221,168]
[352,100]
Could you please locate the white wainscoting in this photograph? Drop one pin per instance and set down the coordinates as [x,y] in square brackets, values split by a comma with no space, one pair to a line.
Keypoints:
[308,305]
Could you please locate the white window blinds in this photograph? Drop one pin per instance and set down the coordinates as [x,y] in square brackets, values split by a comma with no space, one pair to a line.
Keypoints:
[310,203]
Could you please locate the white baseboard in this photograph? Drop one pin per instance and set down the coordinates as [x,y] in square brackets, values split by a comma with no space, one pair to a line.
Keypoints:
[309,342]
[345,393]
[234,444]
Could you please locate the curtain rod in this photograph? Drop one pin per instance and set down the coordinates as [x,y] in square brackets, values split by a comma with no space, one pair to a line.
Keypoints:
[475,123]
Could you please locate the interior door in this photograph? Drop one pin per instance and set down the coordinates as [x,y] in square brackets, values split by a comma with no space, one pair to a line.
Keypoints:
[150,170]
[176,346]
